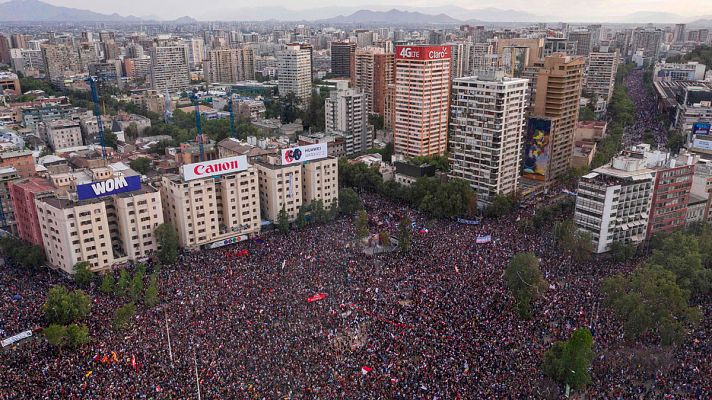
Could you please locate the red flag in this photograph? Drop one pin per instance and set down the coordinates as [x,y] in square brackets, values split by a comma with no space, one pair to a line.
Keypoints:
[133,362]
[316,297]
[366,369]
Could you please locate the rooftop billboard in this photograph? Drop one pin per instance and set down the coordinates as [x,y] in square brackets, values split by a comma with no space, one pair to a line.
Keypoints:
[207,169]
[295,155]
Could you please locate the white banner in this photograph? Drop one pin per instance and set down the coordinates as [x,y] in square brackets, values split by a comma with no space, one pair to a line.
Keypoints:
[16,338]
[294,155]
[221,166]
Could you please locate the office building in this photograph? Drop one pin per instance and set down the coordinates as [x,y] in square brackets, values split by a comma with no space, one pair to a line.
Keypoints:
[487,129]
[559,45]
[196,52]
[21,160]
[461,54]
[557,96]
[679,33]
[613,202]
[108,74]
[693,113]
[535,46]
[342,59]
[346,114]
[601,74]
[422,100]
[169,68]
[374,70]
[8,175]
[294,69]
[648,42]
[671,72]
[9,84]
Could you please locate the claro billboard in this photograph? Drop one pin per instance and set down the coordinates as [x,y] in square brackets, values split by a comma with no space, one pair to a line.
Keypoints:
[207,169]
[424,53]
[121,184]
[295,155]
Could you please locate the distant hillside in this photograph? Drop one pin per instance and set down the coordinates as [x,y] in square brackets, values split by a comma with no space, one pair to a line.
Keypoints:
[393,17]
[37,11]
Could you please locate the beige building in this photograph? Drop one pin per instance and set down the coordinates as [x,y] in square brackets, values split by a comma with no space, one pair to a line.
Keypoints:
[291,186]
[229,65]
[105,230]
[601,74]
[169,68]
[150,100]
[61,61]
[212,209]
[295,75]
[557,95]
[64,133]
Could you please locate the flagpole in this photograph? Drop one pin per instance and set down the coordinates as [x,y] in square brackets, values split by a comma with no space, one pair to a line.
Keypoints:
[168,333]
[197,380]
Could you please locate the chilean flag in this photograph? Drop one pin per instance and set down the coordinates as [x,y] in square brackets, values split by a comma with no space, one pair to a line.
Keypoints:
[366,369]
[316,297]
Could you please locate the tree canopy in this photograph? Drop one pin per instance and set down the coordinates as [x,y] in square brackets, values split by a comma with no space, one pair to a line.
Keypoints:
[650,302]
[568,361]
[524,279]
[168,243]
[63,307]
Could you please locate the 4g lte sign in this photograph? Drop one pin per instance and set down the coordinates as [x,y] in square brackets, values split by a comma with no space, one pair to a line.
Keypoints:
[422,52]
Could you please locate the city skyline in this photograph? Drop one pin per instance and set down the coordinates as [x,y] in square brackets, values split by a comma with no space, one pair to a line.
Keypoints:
[490,11]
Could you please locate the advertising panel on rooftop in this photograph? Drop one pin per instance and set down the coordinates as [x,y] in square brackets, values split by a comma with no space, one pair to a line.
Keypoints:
[295,155]
[207,169]
[120,184]
[424,53]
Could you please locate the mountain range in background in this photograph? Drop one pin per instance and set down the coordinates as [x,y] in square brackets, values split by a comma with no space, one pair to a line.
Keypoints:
[38,11]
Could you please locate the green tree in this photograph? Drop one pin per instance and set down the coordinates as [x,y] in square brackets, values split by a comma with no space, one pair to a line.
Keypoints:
[501,205]
[142,165]
[301,220]
[150,298]
[377,121]
[82,274]
[679,253]
[405,234]
[587,114]
[107,283]
[318,212]
[123,315]
[622,252]
[313,118]
[123,283]
[77,335]
[568,362]
[349,202]
[63,307]
[524,279]
[650,302]
[361,225]
[56,335]
[168,244]
[577,243]
[136,286]
[110,139]
[283,220]
[385,238]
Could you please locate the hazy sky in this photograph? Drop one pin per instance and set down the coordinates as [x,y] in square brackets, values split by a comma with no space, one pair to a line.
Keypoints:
[566,9]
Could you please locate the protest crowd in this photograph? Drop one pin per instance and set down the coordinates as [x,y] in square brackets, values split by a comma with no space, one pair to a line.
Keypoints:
[308,315]
[647,118]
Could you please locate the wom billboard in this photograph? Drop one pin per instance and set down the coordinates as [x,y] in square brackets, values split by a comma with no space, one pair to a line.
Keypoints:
[701,128]
[295,155]
[207,169]
[537,149]
[121,184]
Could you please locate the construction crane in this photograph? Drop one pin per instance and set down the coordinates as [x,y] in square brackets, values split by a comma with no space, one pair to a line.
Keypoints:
[95,98]
[233,133]
[199,138]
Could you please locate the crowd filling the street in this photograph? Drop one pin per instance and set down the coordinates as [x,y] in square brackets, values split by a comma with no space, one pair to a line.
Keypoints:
[308,315]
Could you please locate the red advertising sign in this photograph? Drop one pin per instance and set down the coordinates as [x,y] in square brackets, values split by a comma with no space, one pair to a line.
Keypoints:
[424,53]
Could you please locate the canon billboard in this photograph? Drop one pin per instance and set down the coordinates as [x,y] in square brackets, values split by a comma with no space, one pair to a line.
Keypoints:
[295,155]
[207,169]
[422,52]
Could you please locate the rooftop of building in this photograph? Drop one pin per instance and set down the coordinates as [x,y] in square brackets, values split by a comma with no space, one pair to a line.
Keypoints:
[244,148]
[696,199]
[35,184]
[6,75]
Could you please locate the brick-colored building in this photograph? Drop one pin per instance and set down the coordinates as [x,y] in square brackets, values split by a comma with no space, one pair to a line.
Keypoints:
[22,161]
[23,194]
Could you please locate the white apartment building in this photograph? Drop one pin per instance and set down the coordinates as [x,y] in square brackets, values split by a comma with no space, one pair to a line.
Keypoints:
[294,72]
[346,114]
[64,133]
[669,72]
[601,74]
[169,68]
[613,201]
[487,127]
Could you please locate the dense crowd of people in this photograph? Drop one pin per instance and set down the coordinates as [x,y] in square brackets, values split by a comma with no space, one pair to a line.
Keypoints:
[647,118]
[434,323]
